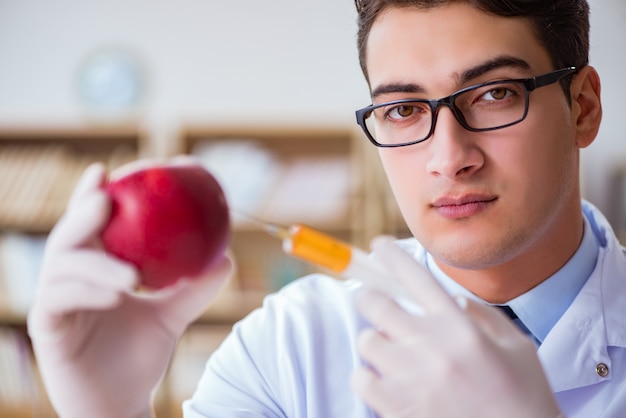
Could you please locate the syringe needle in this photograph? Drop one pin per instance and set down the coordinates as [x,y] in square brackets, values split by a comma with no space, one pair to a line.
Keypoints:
[278,231]
[275,230]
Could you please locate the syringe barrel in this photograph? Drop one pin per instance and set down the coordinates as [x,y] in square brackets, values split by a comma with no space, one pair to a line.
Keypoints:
[317,248]
[348,262]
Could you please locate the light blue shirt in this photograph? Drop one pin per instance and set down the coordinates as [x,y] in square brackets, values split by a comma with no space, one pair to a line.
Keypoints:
[542,306]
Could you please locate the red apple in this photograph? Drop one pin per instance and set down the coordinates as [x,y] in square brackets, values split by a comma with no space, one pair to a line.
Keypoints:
[169,221]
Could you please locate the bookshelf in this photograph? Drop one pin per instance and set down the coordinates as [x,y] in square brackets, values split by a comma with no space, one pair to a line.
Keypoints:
[39,168]
[329,178]
[301,174]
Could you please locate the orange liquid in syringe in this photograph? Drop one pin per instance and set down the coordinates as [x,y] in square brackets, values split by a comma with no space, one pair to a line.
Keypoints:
[318,248]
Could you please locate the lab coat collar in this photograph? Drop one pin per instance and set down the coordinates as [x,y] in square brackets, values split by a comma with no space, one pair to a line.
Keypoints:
[579,341]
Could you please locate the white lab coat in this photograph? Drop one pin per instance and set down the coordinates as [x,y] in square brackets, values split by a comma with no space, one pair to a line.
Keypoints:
[590,333]
[294,357]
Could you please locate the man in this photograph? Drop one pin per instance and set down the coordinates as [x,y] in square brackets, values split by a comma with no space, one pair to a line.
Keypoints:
[487,180]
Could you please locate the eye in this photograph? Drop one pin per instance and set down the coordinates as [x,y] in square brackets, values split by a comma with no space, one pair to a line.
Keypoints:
[498,93]
[406,111]
[400,112]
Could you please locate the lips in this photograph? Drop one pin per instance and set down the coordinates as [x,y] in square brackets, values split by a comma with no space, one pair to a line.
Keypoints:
[463,206]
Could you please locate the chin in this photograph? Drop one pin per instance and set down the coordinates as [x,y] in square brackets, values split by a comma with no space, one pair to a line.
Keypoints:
[475,251]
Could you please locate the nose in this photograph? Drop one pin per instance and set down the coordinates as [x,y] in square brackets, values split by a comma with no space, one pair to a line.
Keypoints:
[452,151]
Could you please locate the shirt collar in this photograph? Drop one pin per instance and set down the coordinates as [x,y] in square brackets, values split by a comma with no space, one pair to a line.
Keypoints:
[541,307]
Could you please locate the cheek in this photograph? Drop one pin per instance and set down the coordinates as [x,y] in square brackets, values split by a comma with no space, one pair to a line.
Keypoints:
[404,167]
[393,169]
[549,150]
[536,164]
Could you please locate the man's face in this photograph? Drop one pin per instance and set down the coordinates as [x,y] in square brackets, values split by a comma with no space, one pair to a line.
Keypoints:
[475,199]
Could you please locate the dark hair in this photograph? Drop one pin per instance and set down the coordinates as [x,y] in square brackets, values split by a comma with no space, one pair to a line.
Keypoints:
[562,26]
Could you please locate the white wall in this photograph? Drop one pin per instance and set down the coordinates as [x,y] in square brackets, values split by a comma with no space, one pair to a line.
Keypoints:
[608,55]
[283,61]
[207,60]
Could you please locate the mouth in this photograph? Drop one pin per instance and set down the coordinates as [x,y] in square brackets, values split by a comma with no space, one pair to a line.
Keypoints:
[463,206]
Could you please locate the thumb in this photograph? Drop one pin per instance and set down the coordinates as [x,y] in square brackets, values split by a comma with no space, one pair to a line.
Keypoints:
[87,211]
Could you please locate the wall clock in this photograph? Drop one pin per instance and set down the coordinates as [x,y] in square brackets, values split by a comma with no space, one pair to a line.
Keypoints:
[111,83]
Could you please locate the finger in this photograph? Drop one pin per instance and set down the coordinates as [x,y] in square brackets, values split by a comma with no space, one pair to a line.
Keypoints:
[75,296]
[384,313]
[414,277]
[89,266]
[50,317]
[367,385]
[379,352]
[92,178]
[189,298]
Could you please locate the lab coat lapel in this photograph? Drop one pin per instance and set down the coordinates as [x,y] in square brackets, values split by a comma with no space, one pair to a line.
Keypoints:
[579,341]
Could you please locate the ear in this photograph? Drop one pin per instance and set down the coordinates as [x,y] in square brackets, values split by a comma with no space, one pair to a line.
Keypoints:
[586,105]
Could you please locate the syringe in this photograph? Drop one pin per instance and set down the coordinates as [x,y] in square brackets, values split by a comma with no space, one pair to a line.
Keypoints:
[340,258]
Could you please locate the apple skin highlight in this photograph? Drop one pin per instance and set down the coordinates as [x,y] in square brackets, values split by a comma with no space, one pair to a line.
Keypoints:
[169,221]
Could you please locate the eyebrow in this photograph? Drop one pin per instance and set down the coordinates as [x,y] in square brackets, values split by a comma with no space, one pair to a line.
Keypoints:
[466,76]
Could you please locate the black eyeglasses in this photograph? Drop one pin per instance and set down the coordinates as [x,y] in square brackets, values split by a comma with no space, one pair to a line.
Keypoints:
[483,107]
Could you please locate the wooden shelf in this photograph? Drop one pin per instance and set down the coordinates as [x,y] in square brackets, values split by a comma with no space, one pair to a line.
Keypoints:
[40,167]
[91,139]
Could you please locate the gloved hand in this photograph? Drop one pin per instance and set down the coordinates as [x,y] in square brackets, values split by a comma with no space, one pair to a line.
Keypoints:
[102,348]
[460,358]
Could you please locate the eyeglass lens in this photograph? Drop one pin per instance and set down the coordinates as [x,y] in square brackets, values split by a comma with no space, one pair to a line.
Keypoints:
[480,108]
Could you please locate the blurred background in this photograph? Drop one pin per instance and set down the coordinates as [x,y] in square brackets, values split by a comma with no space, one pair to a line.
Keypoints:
[263,93]
[284,61]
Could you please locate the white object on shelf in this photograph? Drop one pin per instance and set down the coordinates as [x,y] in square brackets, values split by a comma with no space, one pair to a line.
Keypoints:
[314,190]
[246,171]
